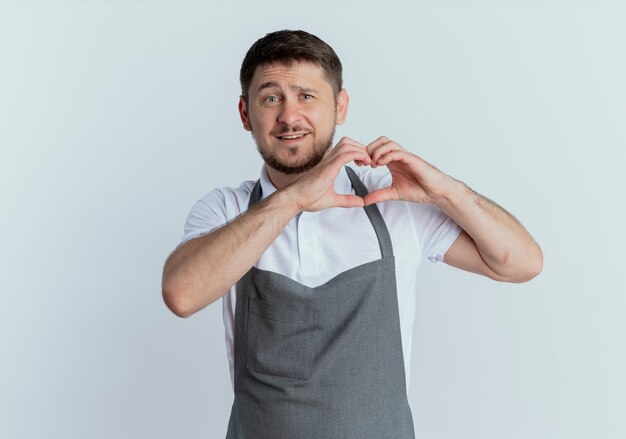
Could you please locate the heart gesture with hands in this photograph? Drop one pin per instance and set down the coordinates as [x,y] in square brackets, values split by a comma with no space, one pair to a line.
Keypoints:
[413,179]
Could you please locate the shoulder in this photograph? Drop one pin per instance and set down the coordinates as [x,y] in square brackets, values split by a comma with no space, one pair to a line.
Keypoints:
[227,198]
[215,208]
[220,204]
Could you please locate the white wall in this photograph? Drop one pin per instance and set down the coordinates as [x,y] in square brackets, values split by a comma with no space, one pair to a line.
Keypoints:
[117,116]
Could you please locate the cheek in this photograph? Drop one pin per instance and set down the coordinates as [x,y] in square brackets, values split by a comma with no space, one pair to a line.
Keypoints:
[259,122]
[324,118]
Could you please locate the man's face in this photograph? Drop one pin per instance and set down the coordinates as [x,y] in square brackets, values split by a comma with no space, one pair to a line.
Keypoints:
[292,114]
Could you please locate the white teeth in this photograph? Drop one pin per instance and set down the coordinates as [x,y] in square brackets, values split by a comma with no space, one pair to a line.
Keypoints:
[292,137]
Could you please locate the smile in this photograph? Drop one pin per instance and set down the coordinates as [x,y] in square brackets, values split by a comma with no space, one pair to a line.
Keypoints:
[293,137]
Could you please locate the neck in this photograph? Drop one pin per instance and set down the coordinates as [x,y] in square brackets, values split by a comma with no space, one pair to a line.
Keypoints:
[279,179]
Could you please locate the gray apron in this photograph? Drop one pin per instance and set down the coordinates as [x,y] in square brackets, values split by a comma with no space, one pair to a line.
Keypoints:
[323,362]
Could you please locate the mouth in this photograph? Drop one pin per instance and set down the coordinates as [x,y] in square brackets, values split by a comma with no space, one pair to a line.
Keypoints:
[292,138]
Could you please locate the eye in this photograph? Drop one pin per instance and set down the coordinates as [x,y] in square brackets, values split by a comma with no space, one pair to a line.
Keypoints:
[307,97]
[271,99]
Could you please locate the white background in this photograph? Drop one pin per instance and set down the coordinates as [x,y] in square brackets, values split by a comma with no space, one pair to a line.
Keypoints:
[115,117]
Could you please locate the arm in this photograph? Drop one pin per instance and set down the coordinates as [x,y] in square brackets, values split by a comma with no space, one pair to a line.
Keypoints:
[492,243]
[204,268]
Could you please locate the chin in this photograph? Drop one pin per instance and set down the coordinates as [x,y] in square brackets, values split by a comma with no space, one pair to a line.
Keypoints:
[295,164]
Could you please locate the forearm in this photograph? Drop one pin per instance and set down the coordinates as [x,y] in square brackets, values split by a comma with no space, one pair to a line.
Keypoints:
[502,241]
[203,269]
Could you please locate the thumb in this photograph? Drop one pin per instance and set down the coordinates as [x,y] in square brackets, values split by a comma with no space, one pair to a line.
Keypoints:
[379,195]
[348,200]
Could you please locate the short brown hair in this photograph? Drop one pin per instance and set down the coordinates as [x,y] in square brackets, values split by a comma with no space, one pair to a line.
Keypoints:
[288,46]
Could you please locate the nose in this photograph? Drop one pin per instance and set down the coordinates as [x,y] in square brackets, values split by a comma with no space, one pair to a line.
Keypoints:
[289,113]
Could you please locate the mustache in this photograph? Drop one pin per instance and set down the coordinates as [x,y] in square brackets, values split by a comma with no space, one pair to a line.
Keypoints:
[293,129]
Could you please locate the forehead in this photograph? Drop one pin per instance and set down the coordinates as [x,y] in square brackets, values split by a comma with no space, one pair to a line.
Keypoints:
[299,74]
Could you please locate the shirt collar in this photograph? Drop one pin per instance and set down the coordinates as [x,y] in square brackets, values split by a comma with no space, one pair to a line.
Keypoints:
[342,183]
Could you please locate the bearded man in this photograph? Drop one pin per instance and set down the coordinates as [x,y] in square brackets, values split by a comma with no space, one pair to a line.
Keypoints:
[316,260]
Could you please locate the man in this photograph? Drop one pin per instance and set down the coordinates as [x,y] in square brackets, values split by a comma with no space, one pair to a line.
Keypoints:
[316,261]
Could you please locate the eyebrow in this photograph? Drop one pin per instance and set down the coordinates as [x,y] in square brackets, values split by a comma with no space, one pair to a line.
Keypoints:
[272,84]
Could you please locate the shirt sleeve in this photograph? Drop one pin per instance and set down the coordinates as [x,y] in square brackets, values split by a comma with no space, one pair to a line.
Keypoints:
[436,231]
[206,215]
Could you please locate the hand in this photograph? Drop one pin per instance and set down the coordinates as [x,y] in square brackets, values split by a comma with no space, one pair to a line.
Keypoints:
[315,190]
[413,179]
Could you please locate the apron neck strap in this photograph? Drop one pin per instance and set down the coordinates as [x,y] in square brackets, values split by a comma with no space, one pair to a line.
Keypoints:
[384,240]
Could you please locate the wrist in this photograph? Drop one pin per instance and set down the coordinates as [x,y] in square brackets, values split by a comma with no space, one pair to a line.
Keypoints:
[288,201]
[451,192]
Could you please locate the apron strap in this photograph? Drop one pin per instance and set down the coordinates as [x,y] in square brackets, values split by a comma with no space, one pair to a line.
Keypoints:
[384,240]
[256,194]
[374,215]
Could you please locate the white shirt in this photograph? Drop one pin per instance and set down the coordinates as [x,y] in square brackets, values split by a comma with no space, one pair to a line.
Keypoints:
[316,246]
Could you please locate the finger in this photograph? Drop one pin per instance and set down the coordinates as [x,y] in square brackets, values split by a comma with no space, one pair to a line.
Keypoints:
[376,143]
[349,141]
[381,150]
[338,161]
[379,195]
[347,200]
[394,156]
[346,145]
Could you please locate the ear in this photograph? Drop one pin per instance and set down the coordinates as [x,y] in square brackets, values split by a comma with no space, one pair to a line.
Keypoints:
[243,114]
[342,106]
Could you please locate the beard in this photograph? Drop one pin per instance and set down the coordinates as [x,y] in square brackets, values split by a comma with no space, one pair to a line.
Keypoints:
[319,151]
